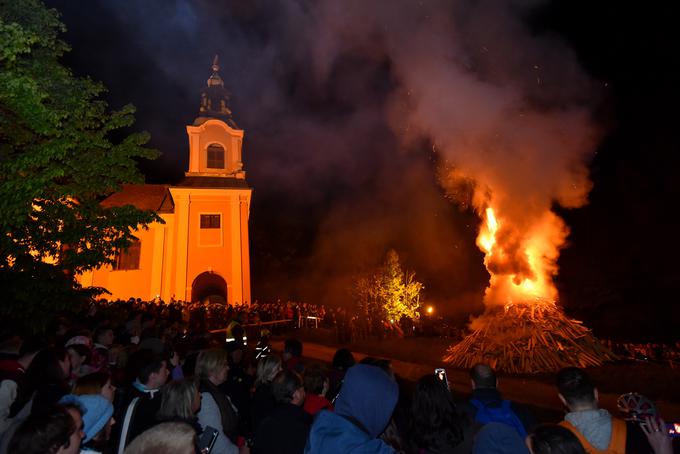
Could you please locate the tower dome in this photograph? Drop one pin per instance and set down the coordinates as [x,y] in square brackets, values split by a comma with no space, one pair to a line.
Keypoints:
[215,99]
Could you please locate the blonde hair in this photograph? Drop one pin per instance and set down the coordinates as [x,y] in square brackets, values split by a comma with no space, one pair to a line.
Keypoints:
[165,438]
[210,361]
[267,369]
[177,398]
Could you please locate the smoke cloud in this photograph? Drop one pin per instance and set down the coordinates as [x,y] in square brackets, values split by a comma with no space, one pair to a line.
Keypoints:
[364,119]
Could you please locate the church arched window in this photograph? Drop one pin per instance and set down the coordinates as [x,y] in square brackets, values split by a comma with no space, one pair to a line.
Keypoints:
[215,156]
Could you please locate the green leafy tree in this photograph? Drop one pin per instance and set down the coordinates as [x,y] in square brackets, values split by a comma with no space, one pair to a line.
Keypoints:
[388,293]
[58,160]
[399,291]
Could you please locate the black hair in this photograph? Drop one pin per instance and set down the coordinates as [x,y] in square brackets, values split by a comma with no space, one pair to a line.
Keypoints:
[314,378]
[145,362]
[483,376]
[284,386]
[343,359]
[436,425]
[45,369]
[575,385]
[554,439]
[44,433]
[100,331]
[293,346]
[384,364]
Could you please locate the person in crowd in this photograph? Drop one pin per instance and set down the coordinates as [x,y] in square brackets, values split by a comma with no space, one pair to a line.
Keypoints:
[43,384]
[487,405]
[435,424]
[12,369]
[657,435]
[316,386]
[362,410]
[498,438]
[263,401]
[143,396]
[595,428]
[180,401]
[292,354]
[165,438]
[97,419]
[95,383]
[239,381]
[79,355]
[51,432]
[285,430]
[216,410]
[103,341]
[553,439]
[342,360]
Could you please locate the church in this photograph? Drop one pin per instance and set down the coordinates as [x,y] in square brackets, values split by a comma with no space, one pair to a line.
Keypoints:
[201,251]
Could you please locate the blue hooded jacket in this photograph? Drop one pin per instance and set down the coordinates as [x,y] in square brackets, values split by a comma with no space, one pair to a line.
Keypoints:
[367,397]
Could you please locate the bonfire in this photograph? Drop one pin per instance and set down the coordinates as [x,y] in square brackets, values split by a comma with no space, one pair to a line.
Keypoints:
[528,338]
[523,330]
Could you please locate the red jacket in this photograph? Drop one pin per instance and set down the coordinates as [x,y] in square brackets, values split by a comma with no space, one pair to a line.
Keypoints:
[315,403]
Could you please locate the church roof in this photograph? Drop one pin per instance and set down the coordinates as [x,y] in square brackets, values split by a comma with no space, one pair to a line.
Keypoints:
[213,182]
[155,197]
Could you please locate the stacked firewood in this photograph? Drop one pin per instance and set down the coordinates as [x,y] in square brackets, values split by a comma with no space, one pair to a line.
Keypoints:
[528,338]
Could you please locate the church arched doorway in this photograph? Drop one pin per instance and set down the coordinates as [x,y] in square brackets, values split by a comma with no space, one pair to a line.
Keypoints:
[209,286]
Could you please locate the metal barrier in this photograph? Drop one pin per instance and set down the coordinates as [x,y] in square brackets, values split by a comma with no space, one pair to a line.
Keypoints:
[249,325]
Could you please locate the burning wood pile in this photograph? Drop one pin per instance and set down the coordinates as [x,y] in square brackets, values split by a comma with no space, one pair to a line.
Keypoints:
[528,338]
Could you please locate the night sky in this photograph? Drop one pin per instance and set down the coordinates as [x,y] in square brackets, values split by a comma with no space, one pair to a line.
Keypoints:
[319,88]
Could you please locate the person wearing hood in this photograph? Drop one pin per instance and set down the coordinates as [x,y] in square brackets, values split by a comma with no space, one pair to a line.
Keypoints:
[596,429]
[362,410]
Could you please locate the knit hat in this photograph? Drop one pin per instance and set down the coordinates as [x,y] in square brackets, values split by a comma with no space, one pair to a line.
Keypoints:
[82,340]
[96,412]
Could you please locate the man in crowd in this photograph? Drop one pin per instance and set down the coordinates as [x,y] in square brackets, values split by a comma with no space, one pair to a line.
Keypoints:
[285,429]
[58,431]
[596,428]
[487,405]
[143,397]
[11,371]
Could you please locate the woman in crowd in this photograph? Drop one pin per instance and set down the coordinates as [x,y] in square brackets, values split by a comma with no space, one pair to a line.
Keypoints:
[180,401]
[436,426]
[79,355]
[45,382]
[216,410]
[95,383]
[263,401]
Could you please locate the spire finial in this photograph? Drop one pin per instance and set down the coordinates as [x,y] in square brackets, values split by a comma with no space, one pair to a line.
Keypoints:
[215,65]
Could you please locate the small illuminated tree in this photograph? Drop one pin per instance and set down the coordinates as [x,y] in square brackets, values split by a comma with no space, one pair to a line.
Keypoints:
[399,291]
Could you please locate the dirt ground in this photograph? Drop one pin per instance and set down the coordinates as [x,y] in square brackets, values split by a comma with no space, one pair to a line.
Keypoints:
[414,357]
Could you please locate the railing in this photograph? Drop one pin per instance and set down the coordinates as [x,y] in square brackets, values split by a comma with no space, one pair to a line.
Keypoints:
[272,322]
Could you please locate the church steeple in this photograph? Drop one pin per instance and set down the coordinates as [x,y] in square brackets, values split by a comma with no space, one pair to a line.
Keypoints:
[215,99]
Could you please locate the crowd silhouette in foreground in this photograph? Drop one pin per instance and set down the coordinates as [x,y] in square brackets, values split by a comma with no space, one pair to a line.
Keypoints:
[132,378]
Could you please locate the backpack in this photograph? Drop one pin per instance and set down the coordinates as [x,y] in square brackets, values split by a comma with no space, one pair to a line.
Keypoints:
[503,414]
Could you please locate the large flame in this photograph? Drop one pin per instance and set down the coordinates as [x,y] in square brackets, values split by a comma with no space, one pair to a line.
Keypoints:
[521,264]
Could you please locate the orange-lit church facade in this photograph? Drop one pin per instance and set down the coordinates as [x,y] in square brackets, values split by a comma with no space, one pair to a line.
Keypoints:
[202,249]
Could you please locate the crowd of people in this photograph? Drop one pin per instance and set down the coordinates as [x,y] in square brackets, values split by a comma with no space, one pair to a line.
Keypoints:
[133,377]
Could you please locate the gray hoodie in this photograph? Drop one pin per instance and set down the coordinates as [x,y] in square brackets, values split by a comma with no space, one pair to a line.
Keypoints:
[594,425]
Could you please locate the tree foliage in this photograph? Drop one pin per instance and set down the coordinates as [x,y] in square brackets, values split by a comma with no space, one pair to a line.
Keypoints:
[58,157]
[389,292]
